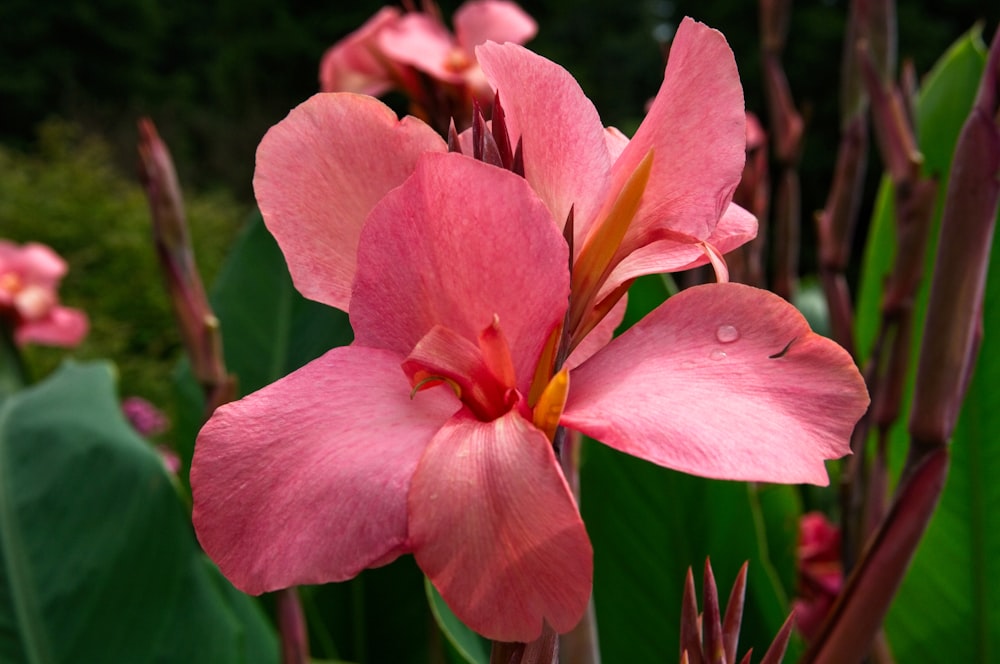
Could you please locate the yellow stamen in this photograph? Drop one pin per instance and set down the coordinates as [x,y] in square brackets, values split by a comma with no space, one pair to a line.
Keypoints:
[594,263]
[546,365]
[550,406]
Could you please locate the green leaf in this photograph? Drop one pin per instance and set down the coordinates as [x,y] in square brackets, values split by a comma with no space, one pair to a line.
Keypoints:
[944,611]
[382,615]
[466,645]
[649,524]
[99,561]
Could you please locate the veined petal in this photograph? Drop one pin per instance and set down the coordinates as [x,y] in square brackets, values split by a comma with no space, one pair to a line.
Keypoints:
[697,127]
[566,156]
[319,173]
[736,228]
[305,481]
[478,21]
[461,242]
[724,381]
[495,528]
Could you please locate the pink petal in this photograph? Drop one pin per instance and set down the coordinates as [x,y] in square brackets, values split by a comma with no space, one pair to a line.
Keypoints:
[617,142]
[353,64]
[495,528]
[41,265]
[697,127]
[565,149]
[479,21]
[736,228]
[460,242]
[420,41]
[305,481]
[319,173]
[724,381]
[63,326]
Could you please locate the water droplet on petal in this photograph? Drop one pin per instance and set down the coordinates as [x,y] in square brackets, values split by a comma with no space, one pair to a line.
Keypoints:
[727,334]
[718,355]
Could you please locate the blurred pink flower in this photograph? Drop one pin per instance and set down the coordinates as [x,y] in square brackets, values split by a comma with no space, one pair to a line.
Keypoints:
[144,417]
[29,277]
[820,572]
[394,49]
[432,433]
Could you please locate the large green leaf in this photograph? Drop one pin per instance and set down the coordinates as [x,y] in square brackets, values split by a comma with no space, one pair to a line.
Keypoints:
[649,524]
[99,561]
[465,645]
[944,611]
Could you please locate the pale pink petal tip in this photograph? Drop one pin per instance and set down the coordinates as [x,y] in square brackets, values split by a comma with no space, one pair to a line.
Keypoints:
[479,21]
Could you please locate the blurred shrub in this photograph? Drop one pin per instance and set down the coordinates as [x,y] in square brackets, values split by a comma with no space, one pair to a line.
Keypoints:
[68,195]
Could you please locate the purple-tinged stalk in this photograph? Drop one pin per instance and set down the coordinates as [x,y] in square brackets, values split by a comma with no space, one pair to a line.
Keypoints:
[199,327]
[951,341]
[870,26]
[746,263]
[711,637]
[871,23]
[914,197]
[786,128]
[954,316]
[543,650]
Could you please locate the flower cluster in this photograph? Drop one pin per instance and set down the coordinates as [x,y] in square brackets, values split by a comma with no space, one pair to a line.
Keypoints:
[484,278]
[29,301]
[414,52]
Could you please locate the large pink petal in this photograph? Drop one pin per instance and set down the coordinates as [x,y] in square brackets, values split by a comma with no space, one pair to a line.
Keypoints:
[479,21]
[353,64]
[736,228]
[723,381]
[420,41]
[565,149]
[319,173]
[697,127]
[305,481]
[495,528]
[459,243]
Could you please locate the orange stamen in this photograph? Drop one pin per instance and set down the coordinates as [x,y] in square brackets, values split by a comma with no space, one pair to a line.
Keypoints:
[594,264]
[550,406]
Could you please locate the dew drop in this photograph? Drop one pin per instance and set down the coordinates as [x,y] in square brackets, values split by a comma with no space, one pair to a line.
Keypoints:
[727,334]
[718,355]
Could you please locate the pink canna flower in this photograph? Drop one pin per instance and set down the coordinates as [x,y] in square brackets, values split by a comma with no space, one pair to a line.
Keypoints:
[434,432]
[821,574]
[394,49]
[29,277]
